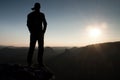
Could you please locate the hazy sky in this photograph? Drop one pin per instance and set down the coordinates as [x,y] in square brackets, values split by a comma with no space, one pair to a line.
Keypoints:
[68,21]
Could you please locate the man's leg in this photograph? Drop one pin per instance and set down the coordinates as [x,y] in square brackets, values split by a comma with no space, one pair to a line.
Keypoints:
[31,50]
[40,51]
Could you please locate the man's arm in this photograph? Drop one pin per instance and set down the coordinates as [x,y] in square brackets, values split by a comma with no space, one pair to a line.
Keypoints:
[44,24]
[28,24]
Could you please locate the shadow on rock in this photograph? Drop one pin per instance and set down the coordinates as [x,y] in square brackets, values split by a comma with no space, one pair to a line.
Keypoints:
[19,72]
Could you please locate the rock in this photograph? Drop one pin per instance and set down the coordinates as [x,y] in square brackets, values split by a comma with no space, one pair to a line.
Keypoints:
[20,72]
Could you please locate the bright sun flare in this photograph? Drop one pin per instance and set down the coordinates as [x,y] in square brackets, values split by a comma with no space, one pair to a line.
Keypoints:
[94,32]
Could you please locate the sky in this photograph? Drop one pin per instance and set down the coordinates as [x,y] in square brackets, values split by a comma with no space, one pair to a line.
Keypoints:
[69,21]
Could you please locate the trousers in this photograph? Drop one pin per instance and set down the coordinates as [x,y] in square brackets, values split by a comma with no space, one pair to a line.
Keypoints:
[33,39]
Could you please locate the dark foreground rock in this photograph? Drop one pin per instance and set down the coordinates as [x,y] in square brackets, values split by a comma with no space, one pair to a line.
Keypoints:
[19,72]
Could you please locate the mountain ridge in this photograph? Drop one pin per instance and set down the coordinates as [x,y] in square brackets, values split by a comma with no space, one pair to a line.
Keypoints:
[96,62]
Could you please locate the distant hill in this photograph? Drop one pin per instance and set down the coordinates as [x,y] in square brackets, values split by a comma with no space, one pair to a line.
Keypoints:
[96,62]
[2,47]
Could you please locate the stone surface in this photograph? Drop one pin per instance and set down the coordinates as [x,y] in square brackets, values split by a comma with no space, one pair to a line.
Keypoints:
[20,72]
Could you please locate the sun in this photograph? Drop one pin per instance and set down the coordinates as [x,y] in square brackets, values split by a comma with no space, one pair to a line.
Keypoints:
[94,32]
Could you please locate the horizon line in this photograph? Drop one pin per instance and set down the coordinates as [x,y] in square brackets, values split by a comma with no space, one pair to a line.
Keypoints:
[60,46]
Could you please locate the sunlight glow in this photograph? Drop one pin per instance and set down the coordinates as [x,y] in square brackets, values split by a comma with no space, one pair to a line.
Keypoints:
[95,32]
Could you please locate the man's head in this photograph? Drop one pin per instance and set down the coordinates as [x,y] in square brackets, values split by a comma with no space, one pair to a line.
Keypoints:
[37,6]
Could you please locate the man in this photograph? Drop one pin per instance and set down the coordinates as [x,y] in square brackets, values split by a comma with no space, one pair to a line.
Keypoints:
[37,25]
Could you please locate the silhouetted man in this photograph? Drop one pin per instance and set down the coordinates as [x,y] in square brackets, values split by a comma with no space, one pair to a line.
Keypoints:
[36,24]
